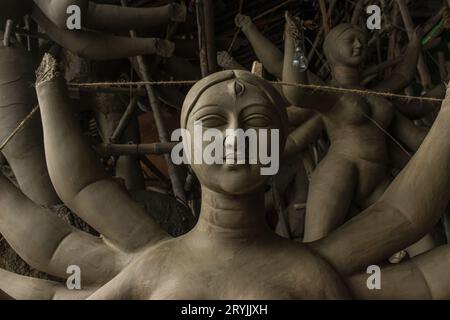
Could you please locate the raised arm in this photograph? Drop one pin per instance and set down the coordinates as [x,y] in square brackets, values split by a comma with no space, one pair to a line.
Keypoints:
[404,73]
[77,175]
[424,277]
[111,17]
[97,46]
[408,209]
[269,55]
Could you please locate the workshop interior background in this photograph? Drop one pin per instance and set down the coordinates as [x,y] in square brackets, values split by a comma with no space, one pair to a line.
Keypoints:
[207,42]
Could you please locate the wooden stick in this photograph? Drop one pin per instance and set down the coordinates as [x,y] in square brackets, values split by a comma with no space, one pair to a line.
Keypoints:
[441,64]
[177,186]
[158,148]
[323,10]
[124,121]
[155,171]
[357,12]
[139,91]
[206,37]
[9,30]
[409,25]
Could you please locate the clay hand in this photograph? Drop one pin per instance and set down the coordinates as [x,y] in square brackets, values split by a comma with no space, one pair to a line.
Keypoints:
[242,21]
[293,25]
[178,12]
[164,48]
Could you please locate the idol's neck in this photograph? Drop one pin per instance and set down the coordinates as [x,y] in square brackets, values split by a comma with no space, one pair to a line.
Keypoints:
[229,219]
[346,76]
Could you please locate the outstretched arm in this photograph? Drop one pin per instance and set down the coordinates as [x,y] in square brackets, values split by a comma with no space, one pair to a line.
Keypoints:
[112,17]
[54,245]
[409,208]
[77,175]
[269,55]
[305,134]
[96,46]
[417,109]
[410,135]
[424,277]
[18,287]
[404,73]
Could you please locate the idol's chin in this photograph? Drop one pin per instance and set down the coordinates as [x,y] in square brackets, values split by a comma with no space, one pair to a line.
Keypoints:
[237,183]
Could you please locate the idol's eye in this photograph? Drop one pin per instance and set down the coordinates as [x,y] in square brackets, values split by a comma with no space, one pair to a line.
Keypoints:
[257,121]
[212,121]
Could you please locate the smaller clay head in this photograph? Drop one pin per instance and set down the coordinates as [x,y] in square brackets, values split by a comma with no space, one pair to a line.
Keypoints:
[235,104]
[346,45]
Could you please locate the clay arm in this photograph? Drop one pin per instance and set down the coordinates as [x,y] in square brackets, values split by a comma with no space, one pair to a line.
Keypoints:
[408,209]
[49,244]
[302,136]
[424,277]
[405,71]
[19,287]
[93,195]
[297,96]
[269,55]
[111,17]
[417,109]
[96,46]
[297,116]
[410,135]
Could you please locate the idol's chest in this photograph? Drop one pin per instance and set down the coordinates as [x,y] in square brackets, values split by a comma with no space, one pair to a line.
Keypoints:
[354,109]
[183,283]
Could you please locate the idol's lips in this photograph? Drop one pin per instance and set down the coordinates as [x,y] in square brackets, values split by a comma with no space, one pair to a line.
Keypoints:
[235,157]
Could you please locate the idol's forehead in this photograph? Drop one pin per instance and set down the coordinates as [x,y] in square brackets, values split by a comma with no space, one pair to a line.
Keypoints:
[352,31]
[232,95]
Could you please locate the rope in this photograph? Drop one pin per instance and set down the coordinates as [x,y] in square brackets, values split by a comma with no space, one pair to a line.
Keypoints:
[299,85]
[19,127]
[192,82]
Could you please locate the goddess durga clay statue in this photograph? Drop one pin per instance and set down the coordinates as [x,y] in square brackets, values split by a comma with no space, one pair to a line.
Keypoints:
[231,253]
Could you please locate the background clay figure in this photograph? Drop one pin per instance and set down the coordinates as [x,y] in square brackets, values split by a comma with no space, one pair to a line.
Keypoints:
[220,257]
[356,165]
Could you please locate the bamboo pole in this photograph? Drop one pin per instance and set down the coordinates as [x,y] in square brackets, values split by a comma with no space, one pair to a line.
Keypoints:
[114,149]
[9,30]
[177,186]
[357,12]
[441,64]
[324,12]
[155,171]
[206,36]
[124,121]
[409,25]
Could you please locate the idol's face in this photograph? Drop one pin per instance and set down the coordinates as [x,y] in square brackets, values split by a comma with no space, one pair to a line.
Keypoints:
[241,117]
[350,48]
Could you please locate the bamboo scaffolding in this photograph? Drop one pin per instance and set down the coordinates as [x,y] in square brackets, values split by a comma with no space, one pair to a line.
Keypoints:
[409,25]
[177,186]
[124,121]
[112,149]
